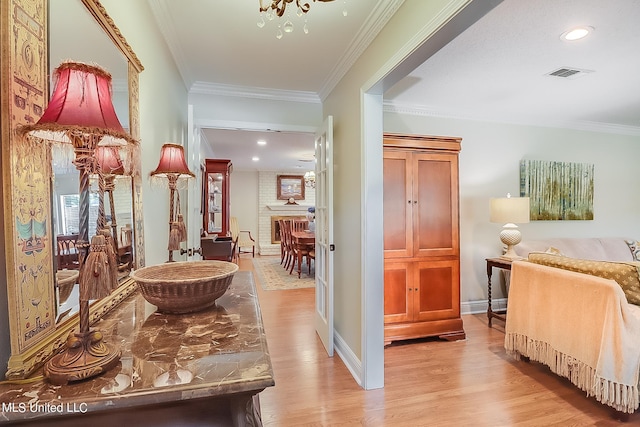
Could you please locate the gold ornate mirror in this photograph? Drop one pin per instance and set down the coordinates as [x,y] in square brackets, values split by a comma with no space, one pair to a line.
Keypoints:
[38,203]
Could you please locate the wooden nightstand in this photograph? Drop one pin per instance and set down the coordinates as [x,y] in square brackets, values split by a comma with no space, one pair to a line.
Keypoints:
[504,264]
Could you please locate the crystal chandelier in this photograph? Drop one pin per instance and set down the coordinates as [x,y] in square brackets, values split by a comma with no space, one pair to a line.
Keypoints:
[277,8]
[310,179]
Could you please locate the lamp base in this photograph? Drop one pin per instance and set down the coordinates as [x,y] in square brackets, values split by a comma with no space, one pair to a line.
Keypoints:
[510,236]
[510,254]
[85,356]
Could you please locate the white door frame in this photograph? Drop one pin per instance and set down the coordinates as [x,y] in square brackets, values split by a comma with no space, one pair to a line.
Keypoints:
[372,267]
[194,189]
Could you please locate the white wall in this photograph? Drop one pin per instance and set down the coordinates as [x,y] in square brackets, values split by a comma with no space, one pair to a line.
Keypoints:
[244,200]
[489,167]
[163,114]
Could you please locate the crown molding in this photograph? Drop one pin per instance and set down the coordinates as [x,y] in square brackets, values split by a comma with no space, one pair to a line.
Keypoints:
[582,125]
[253,126]
[208,88]
[378,18]
[376,21]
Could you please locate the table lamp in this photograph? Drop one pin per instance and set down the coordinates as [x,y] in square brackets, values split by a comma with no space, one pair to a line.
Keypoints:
[173,166]
[510,211]
[109,166]
[81,113]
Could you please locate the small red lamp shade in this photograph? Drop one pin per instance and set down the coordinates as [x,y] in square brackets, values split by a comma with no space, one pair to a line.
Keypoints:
[108,160]
[80,104]
[172,162]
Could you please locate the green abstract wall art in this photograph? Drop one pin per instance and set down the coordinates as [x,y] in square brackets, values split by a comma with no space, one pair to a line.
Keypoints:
[557,190]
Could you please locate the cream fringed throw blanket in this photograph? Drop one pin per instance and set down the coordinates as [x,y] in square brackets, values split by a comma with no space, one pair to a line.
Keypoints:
[580,326]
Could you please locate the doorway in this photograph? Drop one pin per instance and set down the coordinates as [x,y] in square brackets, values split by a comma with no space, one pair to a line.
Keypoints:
[372,204]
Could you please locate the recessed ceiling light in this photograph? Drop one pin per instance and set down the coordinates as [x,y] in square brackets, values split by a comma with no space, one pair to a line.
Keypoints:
[576,33]
[262,142]
[255,158]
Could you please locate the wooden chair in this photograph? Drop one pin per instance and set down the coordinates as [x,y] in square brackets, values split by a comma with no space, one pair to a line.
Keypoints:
[283,248]
[241,239]
[67,252]
[285,235]
[304,251]
[300,224]
[311,256]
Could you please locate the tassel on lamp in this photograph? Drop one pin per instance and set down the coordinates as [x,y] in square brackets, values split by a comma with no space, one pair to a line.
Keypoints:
[109,165]
[81,113]
[173,166]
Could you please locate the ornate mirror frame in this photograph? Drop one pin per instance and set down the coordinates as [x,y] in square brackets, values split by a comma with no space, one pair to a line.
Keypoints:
[26,188]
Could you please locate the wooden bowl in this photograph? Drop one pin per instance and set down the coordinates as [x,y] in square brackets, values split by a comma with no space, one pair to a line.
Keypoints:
[184,287]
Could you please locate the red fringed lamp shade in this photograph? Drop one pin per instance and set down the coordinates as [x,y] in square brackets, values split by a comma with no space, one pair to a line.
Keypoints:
[80,104]
[173,166]
[108,160]
[172,162]
[81,113]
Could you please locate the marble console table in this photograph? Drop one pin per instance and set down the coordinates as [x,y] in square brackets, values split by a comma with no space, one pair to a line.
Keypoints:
[211,364]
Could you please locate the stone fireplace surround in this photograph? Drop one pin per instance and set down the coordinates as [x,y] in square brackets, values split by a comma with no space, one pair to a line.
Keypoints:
[269,206]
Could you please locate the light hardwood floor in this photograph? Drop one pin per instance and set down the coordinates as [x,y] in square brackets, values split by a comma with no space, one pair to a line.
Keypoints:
[427,382]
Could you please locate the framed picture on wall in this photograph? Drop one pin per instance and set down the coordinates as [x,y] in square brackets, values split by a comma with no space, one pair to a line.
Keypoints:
[557,190]
[290,187]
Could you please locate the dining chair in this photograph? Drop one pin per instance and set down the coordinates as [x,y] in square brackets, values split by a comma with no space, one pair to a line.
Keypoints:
[289,246]
[241,239]
[298,253]
[67,252]
[283,246]
[300,224]
[311,256]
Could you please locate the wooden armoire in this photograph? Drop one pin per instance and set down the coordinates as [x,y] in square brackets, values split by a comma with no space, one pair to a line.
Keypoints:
[421,238]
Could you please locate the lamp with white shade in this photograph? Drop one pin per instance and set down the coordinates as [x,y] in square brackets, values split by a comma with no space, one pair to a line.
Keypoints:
[510,211]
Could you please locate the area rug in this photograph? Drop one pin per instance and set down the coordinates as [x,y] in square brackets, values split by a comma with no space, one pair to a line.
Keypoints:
[273,276]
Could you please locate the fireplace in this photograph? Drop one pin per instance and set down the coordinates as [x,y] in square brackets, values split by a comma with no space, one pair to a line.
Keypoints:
[275,225]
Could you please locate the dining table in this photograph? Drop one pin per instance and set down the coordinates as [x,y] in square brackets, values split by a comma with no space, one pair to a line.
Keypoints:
[302,240]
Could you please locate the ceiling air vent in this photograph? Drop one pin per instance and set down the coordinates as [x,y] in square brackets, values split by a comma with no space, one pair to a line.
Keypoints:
[569,73]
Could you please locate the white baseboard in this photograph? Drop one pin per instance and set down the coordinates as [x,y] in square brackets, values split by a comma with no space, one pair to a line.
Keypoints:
[477,307]
[350,360]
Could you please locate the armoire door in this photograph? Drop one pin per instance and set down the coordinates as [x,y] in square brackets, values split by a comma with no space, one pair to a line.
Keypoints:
[398,300]
[438,290]
[398,204]
[435,207]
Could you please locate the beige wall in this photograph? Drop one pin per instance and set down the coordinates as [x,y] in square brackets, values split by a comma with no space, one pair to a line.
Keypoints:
[244,200]
[163,113]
